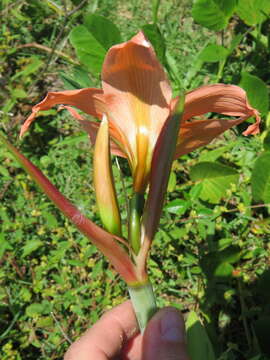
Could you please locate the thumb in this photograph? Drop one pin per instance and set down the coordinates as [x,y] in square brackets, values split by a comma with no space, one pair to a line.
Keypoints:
[164,336]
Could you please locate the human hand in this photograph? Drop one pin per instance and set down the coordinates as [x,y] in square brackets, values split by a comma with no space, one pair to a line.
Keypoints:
[116,336]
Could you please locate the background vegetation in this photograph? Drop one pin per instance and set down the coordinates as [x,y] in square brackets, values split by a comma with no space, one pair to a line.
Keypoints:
[211,254]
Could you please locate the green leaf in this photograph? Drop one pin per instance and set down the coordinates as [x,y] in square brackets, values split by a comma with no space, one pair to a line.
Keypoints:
[253,12]
[69,82]
[18,93]
[213,155]
[257,92]
[218,263]
[89,51]
[4,172]
[72,140]
[223,270]
[213,14]
[260,179]
[50,219]
[34,310]
[198,343]
[82,77]
[155,37]
[31,246]
[177,206]
[213,53]
[33,66]
[171,182]
[4,245]
[45,322]
[103,30]
[216,179]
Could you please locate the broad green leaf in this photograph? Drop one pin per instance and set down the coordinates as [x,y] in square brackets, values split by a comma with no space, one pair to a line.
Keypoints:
[213,14]
[198,343]
[223,270]
[260,179]
[253,12]
[36,309]
[216,179]
[31,246]
[177,206]
[103,30]
[257,92]
[155,37]
[213,53]
[89,51]
[79,79]
[45,322]
[218,263]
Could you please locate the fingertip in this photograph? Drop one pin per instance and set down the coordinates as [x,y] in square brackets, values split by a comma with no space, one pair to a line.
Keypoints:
[106,338]
[165,336]
[172,326]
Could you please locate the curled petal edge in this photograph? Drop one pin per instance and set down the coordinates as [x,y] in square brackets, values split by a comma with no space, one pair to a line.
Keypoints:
[83,99]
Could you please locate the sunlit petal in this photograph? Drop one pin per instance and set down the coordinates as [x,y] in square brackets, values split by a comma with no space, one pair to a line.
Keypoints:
[137,94]
[220,98]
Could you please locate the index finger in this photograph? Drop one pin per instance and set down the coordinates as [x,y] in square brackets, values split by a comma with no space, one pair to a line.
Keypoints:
[107,337]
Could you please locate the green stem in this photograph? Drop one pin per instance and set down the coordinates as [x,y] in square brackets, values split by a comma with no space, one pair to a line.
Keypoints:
[144,303]
[155,7]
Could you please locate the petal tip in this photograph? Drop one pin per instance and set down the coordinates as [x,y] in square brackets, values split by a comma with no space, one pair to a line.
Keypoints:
[141,39]
[253,129]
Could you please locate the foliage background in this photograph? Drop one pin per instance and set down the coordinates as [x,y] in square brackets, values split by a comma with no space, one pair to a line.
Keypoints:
[211,254]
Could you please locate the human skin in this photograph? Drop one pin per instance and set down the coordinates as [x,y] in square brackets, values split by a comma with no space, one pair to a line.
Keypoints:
[116,337]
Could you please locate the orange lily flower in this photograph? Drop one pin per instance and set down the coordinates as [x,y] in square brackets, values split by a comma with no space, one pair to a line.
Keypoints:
[143,123]
[137,98]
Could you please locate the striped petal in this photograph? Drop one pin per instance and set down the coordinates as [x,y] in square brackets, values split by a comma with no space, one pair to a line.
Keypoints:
[83,99]
[137,95]
[201,132]
[220,98]
[224,99]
